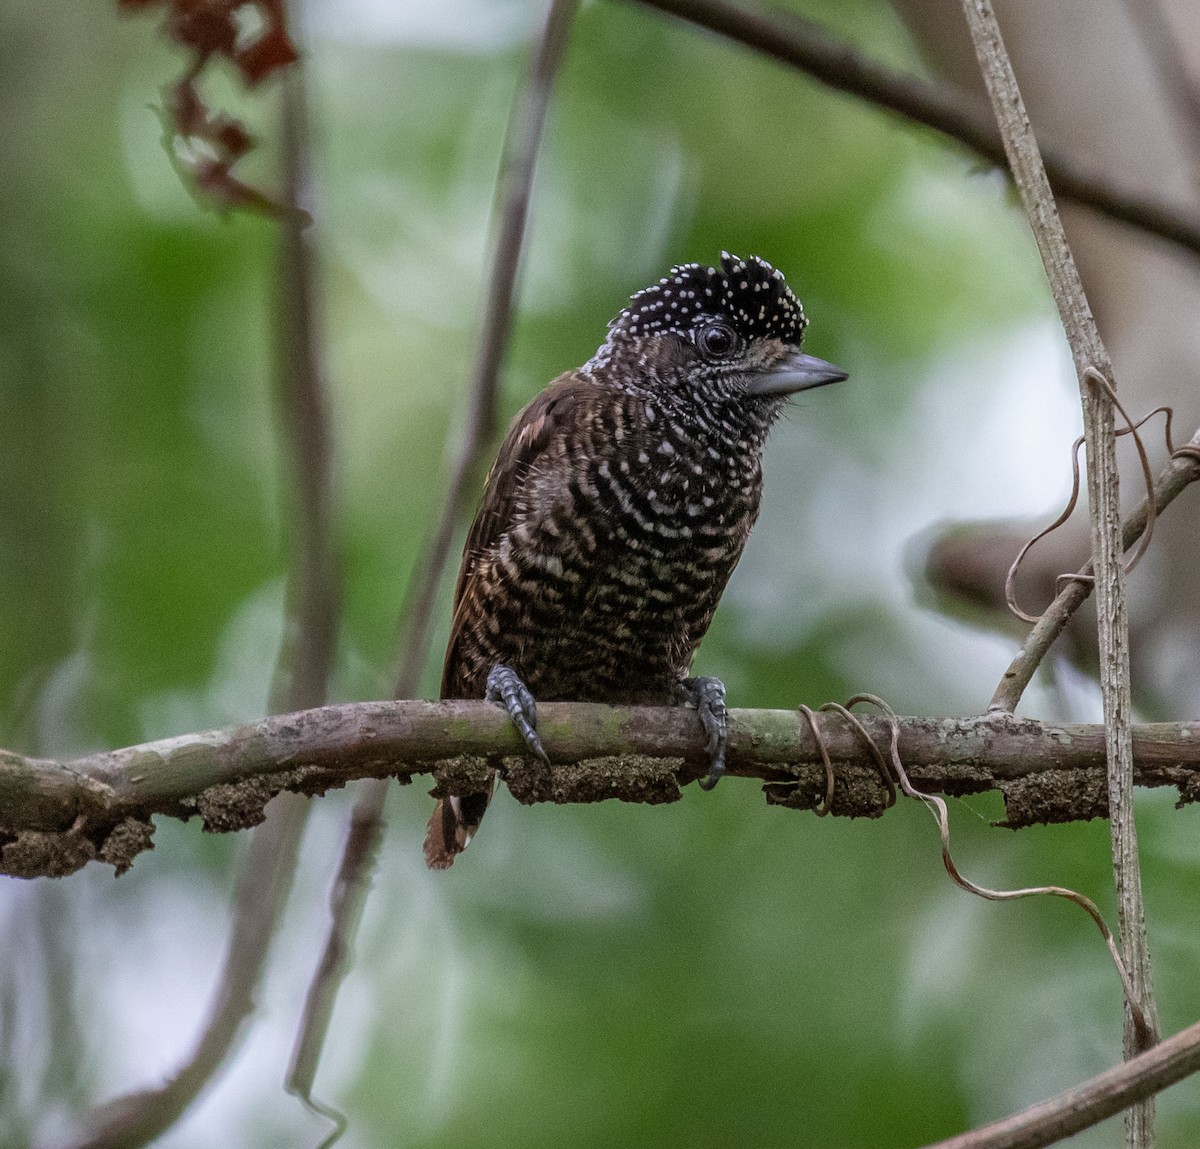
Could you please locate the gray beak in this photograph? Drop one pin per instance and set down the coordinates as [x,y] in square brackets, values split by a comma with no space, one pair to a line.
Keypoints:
[798,372]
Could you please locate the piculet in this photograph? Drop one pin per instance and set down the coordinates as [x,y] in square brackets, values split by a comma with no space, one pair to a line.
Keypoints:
[617,508]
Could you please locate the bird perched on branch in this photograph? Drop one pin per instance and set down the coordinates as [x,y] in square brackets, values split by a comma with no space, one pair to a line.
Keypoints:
[618,507]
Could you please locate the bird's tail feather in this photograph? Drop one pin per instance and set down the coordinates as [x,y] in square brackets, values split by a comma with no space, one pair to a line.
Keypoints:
[452,826]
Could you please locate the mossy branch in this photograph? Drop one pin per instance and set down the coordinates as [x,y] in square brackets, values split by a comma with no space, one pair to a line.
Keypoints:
[56,816]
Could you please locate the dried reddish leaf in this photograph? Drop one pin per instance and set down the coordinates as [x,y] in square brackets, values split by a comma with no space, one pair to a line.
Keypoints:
[209,27]
[189,116]
[233,137]
[215,141]
[272,51]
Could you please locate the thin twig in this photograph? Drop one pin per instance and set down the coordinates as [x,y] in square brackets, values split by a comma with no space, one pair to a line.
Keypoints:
[894,766]
[956,114]
[302,668]
[1181,470]
[1090,1102]
[514,184]
[1095,374]
[1144,540]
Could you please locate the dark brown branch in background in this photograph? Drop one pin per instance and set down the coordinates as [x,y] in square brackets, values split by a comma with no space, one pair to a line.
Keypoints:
[526,125]
[640,754]
[302,668]
[1181,471]
[314,584]
[956,114]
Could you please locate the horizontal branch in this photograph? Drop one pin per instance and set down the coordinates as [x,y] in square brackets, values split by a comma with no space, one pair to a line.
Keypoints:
[56,816]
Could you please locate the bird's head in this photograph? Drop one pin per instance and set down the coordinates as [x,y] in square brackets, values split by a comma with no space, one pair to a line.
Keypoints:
[731,333]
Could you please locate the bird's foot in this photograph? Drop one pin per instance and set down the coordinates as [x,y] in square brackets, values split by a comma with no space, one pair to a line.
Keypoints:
[707,695]
[504,685]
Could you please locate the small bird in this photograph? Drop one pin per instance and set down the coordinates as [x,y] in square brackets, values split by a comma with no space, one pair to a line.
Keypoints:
[617,508]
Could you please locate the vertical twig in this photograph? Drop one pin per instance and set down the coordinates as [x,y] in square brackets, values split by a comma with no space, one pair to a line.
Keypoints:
[1092,367]
[514,183]
[302,668]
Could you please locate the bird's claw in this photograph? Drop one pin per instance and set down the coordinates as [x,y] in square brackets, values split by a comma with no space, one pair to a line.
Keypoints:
[504,685]
[707,695]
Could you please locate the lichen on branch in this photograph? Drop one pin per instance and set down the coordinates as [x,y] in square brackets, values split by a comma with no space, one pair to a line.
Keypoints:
[57,816]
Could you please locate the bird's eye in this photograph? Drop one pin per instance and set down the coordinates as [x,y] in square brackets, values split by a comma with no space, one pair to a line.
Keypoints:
[716,340]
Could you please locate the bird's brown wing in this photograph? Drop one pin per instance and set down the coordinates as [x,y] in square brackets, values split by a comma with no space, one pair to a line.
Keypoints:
[532,431]
[455,820]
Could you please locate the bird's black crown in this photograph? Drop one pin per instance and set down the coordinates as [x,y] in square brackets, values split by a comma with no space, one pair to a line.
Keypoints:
[748,293]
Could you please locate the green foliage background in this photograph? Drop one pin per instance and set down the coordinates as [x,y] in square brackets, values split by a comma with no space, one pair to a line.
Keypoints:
[710,973]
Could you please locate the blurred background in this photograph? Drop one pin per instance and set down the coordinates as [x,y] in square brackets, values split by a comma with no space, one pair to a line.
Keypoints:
[713,972]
